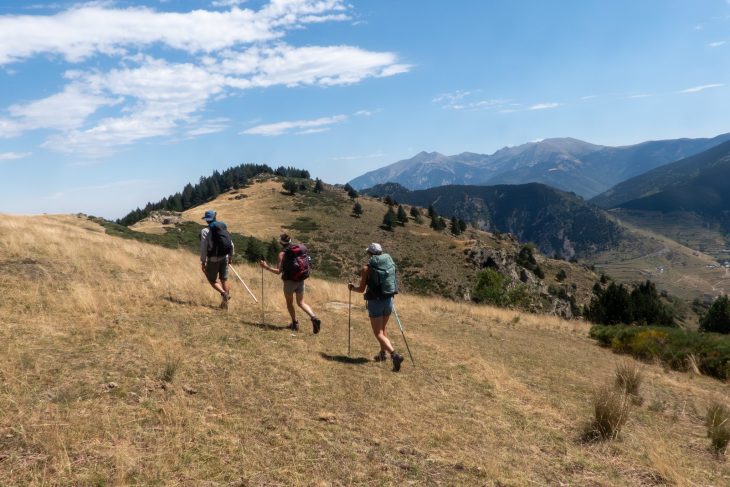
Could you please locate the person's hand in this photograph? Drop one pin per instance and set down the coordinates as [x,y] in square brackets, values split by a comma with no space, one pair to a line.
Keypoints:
[350,286]
[262,263]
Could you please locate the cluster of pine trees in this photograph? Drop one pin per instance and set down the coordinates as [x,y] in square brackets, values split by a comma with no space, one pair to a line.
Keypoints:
[209,188]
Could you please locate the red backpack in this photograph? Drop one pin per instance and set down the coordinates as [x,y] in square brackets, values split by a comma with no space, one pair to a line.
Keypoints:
[296,263]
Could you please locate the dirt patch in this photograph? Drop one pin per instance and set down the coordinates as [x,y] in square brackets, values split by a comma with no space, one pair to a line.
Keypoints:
[26,268]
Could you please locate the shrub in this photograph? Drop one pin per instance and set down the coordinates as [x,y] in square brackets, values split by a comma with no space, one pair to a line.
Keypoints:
[490,288]
[628,380]
[673,346]
[717,422]
[290,186]
[389,219]
[318,187]
[402,215]
[357,209]
[717,318]
[615,304]
[170,369]
[610,412]
[561,275]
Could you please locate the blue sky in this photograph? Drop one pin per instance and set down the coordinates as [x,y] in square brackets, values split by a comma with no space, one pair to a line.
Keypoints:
[107,105]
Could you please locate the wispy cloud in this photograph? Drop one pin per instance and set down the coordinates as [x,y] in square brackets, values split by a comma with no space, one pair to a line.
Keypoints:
[11,156]
[544,106]
[466,100]
[296,126]
[640,95]
[697,89]
[227,3]
[717,44]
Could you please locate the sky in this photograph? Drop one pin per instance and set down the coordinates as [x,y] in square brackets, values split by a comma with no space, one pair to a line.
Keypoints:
[107,105]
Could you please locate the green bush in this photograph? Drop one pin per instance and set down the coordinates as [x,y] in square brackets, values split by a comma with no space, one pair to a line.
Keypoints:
[615,304]
[717,318]
[491,288]
[672,346]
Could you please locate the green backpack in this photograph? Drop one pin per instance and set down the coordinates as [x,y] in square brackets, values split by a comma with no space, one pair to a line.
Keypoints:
[381,282]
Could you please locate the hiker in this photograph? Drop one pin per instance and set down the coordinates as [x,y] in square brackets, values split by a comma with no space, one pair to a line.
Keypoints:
[377,279]
[294,269]
[216,252]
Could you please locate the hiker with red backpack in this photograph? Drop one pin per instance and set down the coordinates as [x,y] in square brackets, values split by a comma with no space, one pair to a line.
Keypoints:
[377,280]
[294,269]
[216,253]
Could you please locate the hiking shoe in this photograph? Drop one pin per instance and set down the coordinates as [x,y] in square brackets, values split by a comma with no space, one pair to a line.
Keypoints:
[316,324]
[294,326]
[380,357]
[225,297]
[397,360]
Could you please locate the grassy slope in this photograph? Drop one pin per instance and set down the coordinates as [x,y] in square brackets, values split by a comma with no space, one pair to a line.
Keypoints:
[499,398]
[682,271]
[432,262]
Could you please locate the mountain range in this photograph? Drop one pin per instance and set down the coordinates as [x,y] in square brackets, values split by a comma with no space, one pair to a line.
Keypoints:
[565,163]
[556,221]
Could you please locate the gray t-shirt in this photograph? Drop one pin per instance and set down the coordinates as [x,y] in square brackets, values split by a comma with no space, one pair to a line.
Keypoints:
[205,236]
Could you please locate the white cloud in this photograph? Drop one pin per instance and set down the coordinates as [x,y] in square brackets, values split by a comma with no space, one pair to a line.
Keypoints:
[12,156]
[296,126]
[716,44]
[696,89]
[153,97]
[641,95]
[227,3]
[460,100]
[84,31]
[544,106]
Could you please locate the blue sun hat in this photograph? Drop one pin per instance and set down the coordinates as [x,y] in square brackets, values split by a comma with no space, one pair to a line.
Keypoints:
[209,216]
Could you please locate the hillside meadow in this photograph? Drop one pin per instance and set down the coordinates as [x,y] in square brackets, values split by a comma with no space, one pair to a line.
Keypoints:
[117,368]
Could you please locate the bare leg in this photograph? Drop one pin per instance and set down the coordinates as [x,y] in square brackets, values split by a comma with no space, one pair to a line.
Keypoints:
[307,309]
[217,286]
[378,325]
[226,285]
[290,306]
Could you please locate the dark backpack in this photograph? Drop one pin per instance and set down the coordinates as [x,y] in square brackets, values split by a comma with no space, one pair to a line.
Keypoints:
[296,263]
[381,281]
[220,243]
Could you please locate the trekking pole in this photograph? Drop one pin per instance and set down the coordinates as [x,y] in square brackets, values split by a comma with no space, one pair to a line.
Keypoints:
[263,315]
[404,335]
[349,325]
[244,284]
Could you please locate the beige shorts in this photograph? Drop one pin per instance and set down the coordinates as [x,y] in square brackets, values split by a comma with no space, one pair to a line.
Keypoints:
[291,287]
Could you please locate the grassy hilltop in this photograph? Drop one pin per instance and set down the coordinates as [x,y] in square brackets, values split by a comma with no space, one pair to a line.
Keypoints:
[116,368]
[429,262]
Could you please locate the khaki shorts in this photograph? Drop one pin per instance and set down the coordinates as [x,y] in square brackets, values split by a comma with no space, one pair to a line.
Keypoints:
[291,287]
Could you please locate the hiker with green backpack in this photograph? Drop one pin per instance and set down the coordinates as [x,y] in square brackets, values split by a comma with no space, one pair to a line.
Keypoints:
[216,253]
[293,268]
[377,280]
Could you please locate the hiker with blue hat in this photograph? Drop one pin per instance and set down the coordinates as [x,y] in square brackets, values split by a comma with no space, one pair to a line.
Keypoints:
[377,280]
[216,252]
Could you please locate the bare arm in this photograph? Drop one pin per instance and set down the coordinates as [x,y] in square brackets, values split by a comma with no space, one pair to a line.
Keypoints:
[364,274]
[274,270]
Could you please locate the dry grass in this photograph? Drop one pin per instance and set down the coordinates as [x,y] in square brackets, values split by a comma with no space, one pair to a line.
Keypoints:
[717,421]
[628,380]
[90,323]
[611,408]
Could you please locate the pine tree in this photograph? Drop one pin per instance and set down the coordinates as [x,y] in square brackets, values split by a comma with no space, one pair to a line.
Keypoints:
[462,226]
[291,186]
[318,188]
[431,212]
[402,215]
[389,219]
[415,211]
[454,227]
[357,209]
